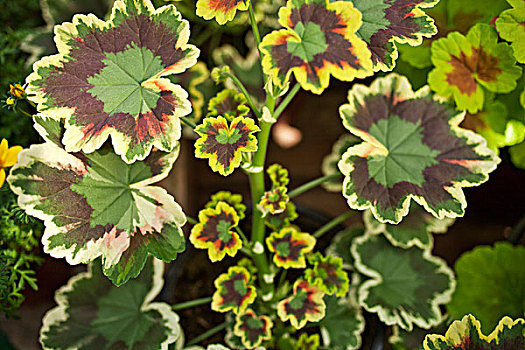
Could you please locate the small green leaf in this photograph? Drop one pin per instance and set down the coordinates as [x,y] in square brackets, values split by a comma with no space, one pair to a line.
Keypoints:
[252,328]
[511,27]
[233,291]
[290,247]
[327,274]
[233,200]
[305,305]
[223,143]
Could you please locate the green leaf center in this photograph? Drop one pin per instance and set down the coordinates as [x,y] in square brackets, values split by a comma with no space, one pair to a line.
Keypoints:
[374,18]
[297,301]
[283,248]
[223,228]
[254,323]
[118,84]
[240,287]
[407,155]
[312,41]
[224,138]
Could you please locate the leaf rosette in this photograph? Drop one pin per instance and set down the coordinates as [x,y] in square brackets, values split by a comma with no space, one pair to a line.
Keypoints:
[233,291]
[97,205]
[107,79]
[92,313]
[305,305]
[290,247]
[466,66]
[223,143]
[318,40]
[507,335]
[214,232]
[412,149]
[252,328]
[406,286]
[389,21]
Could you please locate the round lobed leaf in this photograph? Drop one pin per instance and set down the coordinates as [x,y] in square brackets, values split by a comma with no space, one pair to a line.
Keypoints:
[223,143]
[327,274]
[406,286]
[290,247]
[222,10]
[214,232]
[229,103]
[233,291]
[233,200]
[107,80]
[252,328]
[412,149]
[92,313]
[466,65]
[511,27]
[305,305]
[97,205]
[318,40]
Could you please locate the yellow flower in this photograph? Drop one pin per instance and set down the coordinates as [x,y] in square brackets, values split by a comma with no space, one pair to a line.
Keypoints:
[17,90]
[8,157]
[10,101]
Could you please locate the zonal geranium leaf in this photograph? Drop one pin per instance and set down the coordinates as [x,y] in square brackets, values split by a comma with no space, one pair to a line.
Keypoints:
[406,285]
[308,342]
[233,291]
[97,205]
[290,247]
[490,284]
[222,10]
[214,232]
[273,201]
[277,222]
[50,129]
[329,166]
[466,334]
[305,305]
[327,274]
[229,103]
[343,324]
[94,314]
[414,230]
[319,40]
[233,200]
[510,26]
[107,79]
[386,21]
[466,65]
[278,175]
[223,143]
[413,149]
[252,328]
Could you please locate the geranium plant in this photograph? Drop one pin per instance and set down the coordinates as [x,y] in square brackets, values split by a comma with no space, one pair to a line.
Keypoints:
[114,103]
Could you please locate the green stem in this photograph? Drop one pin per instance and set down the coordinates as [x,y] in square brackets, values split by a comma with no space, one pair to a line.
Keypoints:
[257,190]
[243,236]
[256,34]
[188,122]
[333,223]
[191,303]
[282,106]
[207,334]
[245,93]
[23,112]
[309,185]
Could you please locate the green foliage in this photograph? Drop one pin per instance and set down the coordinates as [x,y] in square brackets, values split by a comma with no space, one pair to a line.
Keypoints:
[19,236]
